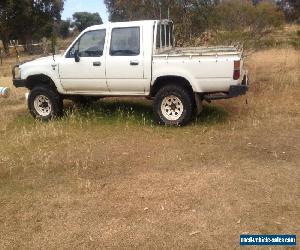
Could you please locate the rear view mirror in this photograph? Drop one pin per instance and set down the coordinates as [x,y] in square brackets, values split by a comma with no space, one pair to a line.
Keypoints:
[76,56]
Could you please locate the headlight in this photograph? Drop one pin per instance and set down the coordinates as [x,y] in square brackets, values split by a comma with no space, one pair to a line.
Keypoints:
[16,72]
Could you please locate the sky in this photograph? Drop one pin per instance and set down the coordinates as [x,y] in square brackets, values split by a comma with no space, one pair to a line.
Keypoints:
[93,6]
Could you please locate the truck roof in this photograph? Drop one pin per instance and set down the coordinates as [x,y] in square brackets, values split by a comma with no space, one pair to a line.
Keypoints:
[124,24]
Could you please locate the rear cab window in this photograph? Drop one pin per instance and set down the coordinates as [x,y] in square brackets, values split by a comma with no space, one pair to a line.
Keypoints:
[164,35]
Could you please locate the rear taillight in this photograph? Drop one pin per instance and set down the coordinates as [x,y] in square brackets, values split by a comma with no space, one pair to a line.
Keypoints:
[237,70]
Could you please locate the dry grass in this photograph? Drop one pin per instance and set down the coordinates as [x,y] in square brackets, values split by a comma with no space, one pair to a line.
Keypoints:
[287,35]
[107,177]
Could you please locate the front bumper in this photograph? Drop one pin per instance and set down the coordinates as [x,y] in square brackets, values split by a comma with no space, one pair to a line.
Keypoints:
[234,91]
[19,83]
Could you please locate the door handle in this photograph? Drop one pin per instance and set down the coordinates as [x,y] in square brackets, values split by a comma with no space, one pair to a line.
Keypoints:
[97,64]
[134,63]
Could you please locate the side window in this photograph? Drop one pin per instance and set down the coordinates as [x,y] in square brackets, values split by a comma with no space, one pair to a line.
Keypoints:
[90,44]
[125,41]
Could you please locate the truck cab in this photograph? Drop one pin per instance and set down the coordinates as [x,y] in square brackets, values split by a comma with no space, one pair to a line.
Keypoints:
[134,59]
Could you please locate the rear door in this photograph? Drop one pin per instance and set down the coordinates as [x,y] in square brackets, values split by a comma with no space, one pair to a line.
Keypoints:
[125,61]
[87,75]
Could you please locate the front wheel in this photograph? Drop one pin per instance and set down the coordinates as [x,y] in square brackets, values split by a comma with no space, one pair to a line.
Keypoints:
[173,105]
[44,103]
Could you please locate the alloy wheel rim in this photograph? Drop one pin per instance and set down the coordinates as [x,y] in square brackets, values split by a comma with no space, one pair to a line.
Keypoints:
[42,105]
[172,107]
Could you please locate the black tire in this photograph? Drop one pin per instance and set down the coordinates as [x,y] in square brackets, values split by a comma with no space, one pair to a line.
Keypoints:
[182,99]
[51,99]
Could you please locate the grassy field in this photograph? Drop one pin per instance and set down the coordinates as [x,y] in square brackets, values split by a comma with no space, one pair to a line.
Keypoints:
[108,177]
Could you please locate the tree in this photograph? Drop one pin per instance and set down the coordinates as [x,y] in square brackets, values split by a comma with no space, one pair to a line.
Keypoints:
[64,28]
[241,21]
[82,20]
[190,16]
[28,19]
[290,9]
[6,14]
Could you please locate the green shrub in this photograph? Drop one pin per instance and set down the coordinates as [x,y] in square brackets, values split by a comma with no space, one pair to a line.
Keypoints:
[239,21]
[295,43]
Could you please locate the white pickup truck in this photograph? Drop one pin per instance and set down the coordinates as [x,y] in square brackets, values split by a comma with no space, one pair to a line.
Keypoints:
[133,59]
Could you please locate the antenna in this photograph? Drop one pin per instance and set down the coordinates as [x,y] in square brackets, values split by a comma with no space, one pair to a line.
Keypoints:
[159,12]
[53,40]
[53,48]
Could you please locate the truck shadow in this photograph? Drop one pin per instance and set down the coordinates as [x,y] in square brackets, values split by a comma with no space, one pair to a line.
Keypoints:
[212,114]
[111,109]
[139,110]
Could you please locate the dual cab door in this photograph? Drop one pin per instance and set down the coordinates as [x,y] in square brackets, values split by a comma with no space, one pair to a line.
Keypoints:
[112,65]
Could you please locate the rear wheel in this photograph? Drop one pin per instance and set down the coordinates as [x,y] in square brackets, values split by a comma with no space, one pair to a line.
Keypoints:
[173,105]
[45,103]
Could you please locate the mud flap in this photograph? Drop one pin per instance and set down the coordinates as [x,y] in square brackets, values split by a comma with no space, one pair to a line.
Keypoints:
[199,105]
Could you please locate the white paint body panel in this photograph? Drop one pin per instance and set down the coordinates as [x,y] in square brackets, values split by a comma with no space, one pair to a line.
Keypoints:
[83,76]
[205,73]
[46,66]
[206,69]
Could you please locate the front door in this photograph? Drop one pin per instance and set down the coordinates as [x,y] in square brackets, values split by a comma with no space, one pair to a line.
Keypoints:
[88,73]
[124,62]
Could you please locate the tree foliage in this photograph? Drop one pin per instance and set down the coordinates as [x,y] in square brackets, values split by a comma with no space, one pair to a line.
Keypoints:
[82,20]
[190,16]
[291,9]
[238,20]
[242,15]
[250,19]
[64,28]
[28,19]
[6,14]
[193,17]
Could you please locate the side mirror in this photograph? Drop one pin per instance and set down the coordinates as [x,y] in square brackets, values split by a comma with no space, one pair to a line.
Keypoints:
[76,56]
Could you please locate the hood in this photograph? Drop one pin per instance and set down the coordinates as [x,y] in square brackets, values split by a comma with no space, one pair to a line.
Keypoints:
[41,61]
